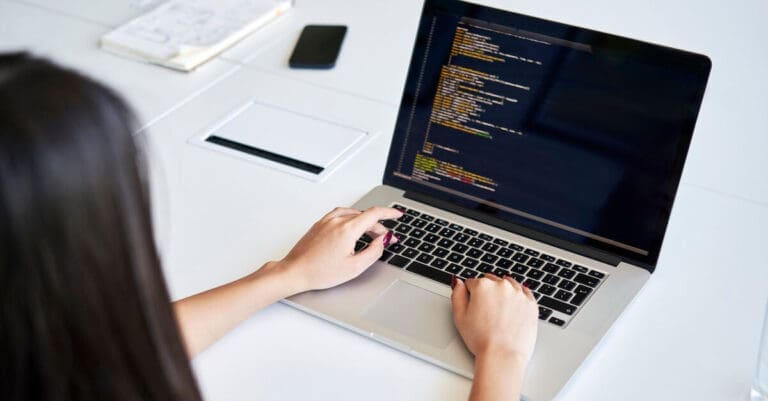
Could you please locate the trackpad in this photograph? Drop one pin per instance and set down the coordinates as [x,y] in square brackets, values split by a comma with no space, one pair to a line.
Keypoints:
[414,312]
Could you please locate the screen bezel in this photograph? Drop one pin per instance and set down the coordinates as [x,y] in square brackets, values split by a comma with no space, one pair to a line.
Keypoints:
[699,64]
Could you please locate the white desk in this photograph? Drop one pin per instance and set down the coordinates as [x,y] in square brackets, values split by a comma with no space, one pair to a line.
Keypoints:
[691,334]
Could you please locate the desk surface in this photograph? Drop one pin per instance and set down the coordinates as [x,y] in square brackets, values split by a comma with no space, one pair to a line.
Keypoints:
[691,334]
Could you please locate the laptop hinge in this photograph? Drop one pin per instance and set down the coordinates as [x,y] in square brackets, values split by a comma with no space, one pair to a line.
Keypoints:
[483,217]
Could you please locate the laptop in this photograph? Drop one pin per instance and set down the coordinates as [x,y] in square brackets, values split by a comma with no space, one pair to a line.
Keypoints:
[526,148]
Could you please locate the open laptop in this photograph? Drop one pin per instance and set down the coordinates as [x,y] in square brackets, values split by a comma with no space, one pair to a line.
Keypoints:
[528,148]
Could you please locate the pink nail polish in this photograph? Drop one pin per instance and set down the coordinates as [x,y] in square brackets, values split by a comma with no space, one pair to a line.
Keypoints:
[453,281]
[387,238]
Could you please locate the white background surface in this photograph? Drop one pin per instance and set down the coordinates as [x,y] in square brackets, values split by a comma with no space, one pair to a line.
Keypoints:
[691,334]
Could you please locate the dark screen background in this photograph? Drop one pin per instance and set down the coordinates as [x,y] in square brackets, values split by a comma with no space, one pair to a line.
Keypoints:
[606,126]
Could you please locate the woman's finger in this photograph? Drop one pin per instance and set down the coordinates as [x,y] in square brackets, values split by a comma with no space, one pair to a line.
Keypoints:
[371,216]
[376,230]
[341,211]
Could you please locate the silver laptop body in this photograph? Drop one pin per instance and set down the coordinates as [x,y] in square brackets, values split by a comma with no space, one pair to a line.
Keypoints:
[411,312]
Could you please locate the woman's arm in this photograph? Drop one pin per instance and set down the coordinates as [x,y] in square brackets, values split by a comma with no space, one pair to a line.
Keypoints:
[323,258]
[497,318]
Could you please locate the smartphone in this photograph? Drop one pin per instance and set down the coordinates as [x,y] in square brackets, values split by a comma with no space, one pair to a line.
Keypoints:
[318,46]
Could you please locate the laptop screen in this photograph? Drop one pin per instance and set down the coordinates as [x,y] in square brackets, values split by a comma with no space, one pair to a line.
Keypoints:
[577,134]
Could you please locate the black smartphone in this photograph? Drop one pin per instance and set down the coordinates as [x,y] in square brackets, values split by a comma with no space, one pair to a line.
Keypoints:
[318,46]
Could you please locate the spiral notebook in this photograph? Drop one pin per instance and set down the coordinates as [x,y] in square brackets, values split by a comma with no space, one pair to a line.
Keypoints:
[183,34]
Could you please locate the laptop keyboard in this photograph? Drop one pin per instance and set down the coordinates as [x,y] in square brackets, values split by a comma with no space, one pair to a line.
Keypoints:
[439,249]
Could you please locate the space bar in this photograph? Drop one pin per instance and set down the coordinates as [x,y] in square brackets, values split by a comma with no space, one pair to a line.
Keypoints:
[429,272]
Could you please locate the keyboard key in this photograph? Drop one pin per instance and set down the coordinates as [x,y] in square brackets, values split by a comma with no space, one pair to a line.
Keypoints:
[504,263]
[519,268]
[532,284]
[403,229]
[520,278]
[432,228]
[395,248]
[595,273]
[455,227]
[516,247]
[556,321]
[425,258]
[441,252]
[398,261]
[580,269]
[429,272]
[475,242]
[582,290]
[419,223]
[445,243]
[441,222]
[579,298]
[410,253]
[399,207]
[566,273]
[544,313]
[563,295]
[406,218]
[587,280]
[557,305]
[551,279]
[453,268]
[385,255]
[390,224]
[439,263]
[412,242]
[550,268]
[564,263]
[485,237]
[431,238]
[490,247]
[505,252]
[447,232]
[535,274]
[468,273]
[412,213]
[366,238]
[500,242]
[427,217]
[461,237]
[455,257]
[460,248]
[519,257]
[547,289]
[470,231]
[485,268]
[417,233]
[426,247]
[489,258]
[567,285]
[533,262]
[360,245]
[536,295]
[469,262]
[547,258]
[531,252]
[500,272]
[474,253]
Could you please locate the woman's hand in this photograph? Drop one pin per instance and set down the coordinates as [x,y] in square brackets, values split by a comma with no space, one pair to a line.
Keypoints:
[497,318]
[325,256]
[495,315]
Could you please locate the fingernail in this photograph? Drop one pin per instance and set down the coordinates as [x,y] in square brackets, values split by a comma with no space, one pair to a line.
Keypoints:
[453,282]
[525,285]
[387,238]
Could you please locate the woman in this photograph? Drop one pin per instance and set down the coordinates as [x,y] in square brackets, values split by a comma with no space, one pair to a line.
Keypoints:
[84,311]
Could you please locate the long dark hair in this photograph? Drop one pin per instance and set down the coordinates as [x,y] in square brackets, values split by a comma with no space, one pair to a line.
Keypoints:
[84,311]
